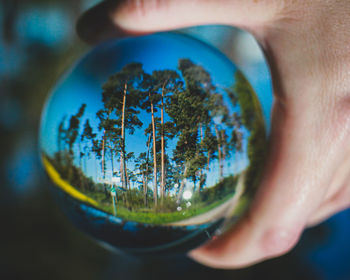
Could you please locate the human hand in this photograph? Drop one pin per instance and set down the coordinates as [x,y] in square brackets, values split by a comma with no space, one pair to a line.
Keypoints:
[307,172]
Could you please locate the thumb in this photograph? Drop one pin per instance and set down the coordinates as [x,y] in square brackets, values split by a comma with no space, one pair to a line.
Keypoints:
[118,18]
[157,15]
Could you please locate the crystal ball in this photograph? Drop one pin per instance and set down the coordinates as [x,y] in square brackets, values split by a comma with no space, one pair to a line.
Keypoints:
[154,144]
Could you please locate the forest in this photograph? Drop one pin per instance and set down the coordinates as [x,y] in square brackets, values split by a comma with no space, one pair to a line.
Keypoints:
[192,130]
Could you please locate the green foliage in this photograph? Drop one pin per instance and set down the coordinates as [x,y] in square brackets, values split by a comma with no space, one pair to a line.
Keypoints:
[225,187]
[252,118]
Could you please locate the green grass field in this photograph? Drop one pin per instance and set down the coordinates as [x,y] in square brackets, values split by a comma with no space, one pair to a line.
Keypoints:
[151,216]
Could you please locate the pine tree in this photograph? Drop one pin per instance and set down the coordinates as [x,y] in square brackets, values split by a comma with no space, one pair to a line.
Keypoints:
[121,96]
[61,138]
[104,115]
[165,82]
[86,137]
[142,164]
[189,109]
[149,102]
[73,130]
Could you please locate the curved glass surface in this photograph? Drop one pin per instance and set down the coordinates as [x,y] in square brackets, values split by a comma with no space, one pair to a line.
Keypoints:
[154,143]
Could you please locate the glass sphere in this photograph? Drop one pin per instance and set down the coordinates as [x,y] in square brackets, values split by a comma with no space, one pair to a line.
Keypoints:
[154,143]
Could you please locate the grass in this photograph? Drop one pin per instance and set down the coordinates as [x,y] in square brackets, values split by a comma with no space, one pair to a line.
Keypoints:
[153,217]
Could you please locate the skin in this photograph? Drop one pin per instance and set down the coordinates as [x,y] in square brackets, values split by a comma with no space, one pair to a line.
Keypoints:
[307,45]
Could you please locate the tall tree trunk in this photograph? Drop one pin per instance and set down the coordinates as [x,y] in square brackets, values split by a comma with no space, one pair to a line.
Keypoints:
[194,185]
[223,147]
[162,185]
[82,182]
[144,184]
[95,168]
[208,159]
[155,191]
[122,154]
[127,181]
[182,185]
[197,155]
[202,180]
[103,155]
[104,148]
[219,149]
[112,162]
[147,161]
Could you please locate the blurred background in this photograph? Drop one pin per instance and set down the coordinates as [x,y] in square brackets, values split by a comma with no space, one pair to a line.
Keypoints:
[38,42]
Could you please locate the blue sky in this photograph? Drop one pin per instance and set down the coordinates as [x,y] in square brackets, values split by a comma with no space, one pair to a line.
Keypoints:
[160,51]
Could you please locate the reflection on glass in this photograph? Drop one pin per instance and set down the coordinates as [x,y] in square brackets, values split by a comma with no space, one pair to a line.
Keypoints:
[153,143]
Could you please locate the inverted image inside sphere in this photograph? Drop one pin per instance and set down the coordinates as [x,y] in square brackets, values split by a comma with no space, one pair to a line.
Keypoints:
[153,143]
